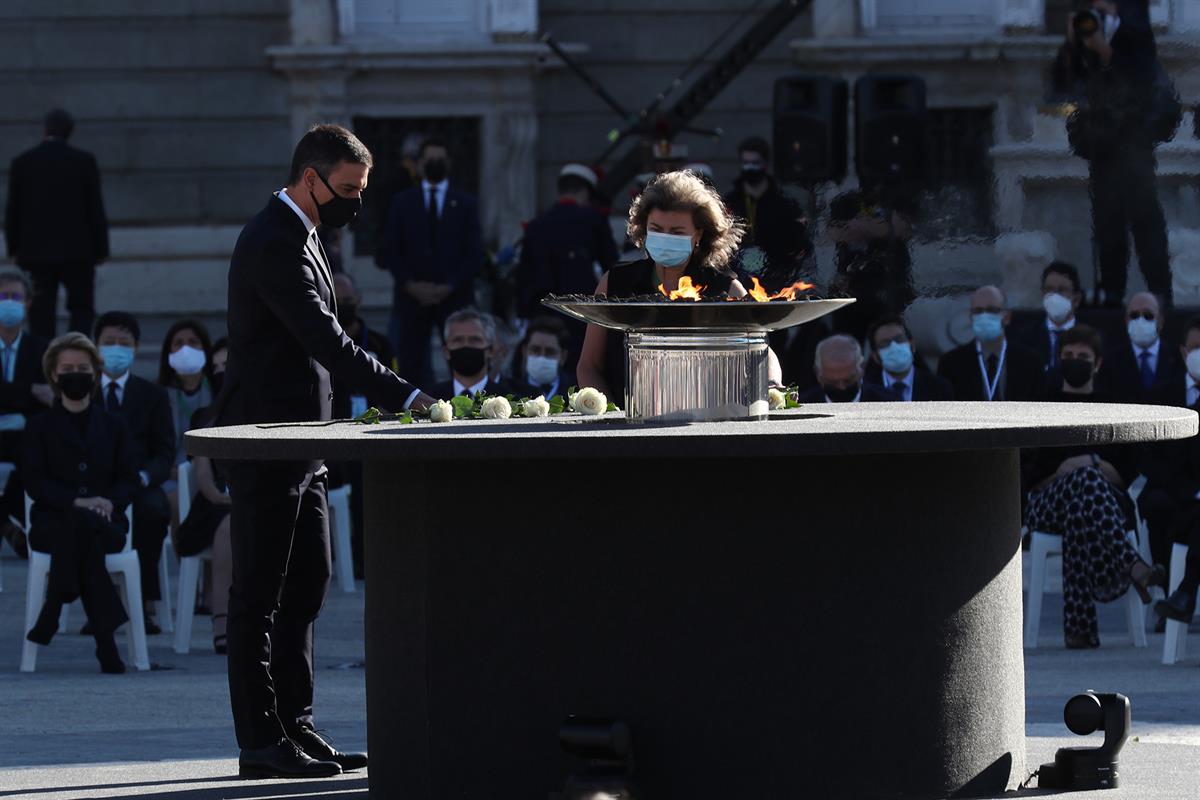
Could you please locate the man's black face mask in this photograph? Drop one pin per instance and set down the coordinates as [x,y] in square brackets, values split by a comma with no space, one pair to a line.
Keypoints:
[338,211]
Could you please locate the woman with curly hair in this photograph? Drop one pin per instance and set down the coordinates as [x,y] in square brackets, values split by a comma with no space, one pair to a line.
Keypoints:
[685,229]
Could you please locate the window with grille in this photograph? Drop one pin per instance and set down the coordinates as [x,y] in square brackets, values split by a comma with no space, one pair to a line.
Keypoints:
[957,194]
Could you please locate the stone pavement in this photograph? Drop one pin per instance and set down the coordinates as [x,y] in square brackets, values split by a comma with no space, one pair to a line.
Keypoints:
[68,731]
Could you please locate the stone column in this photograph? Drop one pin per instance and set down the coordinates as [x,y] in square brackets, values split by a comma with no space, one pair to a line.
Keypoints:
[318,95]
[1160,12]
[313,22]
[509,158]
[1024,15]
[834,18]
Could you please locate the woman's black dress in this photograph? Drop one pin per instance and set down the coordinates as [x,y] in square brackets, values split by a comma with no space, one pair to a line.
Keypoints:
[637,278]
[66,456]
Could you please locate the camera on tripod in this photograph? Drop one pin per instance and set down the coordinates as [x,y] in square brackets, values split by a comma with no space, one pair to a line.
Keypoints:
[1086,23]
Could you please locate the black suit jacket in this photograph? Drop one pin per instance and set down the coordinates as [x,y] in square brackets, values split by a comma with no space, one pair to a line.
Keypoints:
[926,385]
[17,397]
[284,338]
[1032,335]
[454,256]
[1024,373]
[1174,465]
[558,255]
[146,410]
[870,394]
[1121,377]
[500,388]
[55,212]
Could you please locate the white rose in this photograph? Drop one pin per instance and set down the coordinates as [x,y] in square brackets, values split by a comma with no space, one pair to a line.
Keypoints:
[441,411]
[496,408]
[589,401]
[776,399]
[537,407]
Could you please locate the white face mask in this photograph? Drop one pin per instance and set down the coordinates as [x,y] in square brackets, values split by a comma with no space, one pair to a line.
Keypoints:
[1142,332]
[187,360]
[542,370]
[1193,364]
[1058,307]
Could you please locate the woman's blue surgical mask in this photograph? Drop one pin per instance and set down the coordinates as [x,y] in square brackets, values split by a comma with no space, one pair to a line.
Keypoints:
[668,249]
[117,359]
[12,313]
[987,326]
[897,357]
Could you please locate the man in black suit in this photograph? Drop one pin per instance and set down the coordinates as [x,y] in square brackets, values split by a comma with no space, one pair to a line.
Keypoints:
[470,346]
[992,366]
[147,411]
[433,246]
[285,345]
[1137,359]
[1062,294]
[894,368]
[24,394]
[55,225]
[839,370]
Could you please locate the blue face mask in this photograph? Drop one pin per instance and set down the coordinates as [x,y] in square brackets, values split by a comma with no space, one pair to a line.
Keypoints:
[988,327]
[668,249]
[117,359]
[897,357]
[12,313]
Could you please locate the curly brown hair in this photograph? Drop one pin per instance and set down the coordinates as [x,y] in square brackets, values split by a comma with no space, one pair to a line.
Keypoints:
[684,190]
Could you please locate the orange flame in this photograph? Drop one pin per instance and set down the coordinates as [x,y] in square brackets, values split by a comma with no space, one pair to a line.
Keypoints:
[686,290]
[759,294]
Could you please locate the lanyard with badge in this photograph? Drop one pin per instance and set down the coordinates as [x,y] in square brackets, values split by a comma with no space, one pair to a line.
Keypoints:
[990,385]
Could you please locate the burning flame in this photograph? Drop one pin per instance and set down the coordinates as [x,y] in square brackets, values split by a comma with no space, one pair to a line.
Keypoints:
[686,290]
[759,294]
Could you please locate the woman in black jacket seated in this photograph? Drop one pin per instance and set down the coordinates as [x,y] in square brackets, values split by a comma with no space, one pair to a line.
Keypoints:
[79,473]
[1079,493]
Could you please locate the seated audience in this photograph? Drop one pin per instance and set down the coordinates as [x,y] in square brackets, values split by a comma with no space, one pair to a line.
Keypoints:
[1079,494]
[80,473]
[24,394]
[894,366]
[147,412]
[544,358]
[184,370]
[1062,293]
[839,370]
[992,367]
[207,522]
[1137,359]
[470,339]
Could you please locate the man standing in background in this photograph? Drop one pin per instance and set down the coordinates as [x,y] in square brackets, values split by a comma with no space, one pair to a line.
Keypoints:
[55,225]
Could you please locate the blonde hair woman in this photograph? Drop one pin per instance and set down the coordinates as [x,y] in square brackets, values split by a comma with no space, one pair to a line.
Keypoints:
[685,230]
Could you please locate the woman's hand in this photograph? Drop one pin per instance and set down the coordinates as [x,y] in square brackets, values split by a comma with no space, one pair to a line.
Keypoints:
[1071,464]
[101,506]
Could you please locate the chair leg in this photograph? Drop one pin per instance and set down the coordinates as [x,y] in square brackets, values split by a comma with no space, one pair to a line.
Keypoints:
[339,506]
[164,581]
[1135,612]
[1039,551]
[1175,641]
[35,595]
[137,620]
[189,581]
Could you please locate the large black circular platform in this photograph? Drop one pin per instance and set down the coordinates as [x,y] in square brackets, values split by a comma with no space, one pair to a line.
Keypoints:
[826,604]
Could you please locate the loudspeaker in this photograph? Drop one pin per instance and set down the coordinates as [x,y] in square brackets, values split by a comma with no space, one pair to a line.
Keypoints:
[889,128]
[809,126]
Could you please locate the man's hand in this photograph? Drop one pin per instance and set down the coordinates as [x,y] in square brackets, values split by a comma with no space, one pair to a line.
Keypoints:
[422,402]
[441,291]
[43,394]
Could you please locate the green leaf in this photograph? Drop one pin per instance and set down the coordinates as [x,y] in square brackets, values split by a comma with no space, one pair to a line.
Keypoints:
[369,417]
[557,404]
[612,407]
[790,401]
[463,406]
[406,418]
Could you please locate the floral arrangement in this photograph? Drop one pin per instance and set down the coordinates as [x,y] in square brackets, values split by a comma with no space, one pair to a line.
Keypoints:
[587,401]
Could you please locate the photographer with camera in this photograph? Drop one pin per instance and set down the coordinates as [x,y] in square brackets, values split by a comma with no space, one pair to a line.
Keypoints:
[1129,106]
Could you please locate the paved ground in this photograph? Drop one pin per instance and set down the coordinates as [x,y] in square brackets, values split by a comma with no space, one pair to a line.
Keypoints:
[69,732]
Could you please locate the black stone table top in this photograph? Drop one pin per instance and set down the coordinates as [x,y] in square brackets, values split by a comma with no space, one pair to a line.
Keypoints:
[815,429]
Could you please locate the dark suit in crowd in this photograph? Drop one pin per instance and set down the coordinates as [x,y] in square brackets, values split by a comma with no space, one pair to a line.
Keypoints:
[16,397]
[67,456]
[57,231]
[418,245]
[1121,374]
[1021,378]
[501,388]
[146,411]
[1168,501]
[925,385]
[870,394]
[285,346]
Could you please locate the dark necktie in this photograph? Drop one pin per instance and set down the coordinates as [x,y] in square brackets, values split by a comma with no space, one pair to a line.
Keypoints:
[112,403]
[993,364]
[901,388]
[433,213]
[1147,372]
[1053,348]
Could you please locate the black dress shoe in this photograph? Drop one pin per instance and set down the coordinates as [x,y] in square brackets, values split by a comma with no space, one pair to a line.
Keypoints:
[284,759]
[317,746]
[107,654]
[1180,606]
[1082,642]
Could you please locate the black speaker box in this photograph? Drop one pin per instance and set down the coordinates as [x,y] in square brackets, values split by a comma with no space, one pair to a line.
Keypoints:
[889,128]
[809,125]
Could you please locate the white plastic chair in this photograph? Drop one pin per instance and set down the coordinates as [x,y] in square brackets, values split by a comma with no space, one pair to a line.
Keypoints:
[123,565]
[165,615]
[6,469]
[1175,641]
[339,510]
[190,568]
[1041,547]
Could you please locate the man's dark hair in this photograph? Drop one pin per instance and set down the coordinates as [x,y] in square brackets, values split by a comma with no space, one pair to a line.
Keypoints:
[550,325]
[324,147]
[892,319]
[118,319]
[570,184]
[756,144]
[59,124]
[1081,334]
[1063,268]
[432,141]
[1193,324]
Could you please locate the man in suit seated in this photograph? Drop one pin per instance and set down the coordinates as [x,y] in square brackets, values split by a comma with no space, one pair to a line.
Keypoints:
[991,366]
[894,367]
[544,358]
[839,370]
[1062,293]
[470,342]
[1137,358]
[147,411]
[24,393]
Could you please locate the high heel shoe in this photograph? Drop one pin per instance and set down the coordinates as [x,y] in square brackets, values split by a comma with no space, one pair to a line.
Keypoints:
[1144,576]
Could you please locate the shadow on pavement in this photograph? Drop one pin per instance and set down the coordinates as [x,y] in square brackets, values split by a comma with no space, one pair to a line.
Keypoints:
[342,789]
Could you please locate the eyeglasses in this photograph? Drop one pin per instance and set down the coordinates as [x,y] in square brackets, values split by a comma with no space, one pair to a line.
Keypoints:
[18,296]
[987,310]
[1147,315]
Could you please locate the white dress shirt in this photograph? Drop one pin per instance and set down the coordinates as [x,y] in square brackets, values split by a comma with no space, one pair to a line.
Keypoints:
[1152,350]
[1193,390]
[474,390]
[439,193]
[105,380]
[890,380]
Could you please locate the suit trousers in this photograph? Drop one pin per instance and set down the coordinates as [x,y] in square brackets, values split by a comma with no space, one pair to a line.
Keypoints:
[151,519]
[77,541]
[281,569]
[1125,199]
[80,282]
